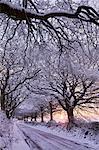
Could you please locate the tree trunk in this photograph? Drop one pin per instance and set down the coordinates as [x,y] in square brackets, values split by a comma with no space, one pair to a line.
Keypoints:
[42,114]
[2,104]
[35,117]
[70,115]
[8,114]
[31,118]
[51,111]
[2,99]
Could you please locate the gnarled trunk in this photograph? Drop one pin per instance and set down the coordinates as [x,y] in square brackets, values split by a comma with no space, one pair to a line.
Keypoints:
[70,115]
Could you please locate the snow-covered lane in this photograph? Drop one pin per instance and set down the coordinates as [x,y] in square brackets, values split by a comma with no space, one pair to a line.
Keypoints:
[46,141]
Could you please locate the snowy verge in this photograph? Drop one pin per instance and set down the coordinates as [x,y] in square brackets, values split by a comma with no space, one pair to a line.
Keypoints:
[18,140]
[5,136]
[10,136]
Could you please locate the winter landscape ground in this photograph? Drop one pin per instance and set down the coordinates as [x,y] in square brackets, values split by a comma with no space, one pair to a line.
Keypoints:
[19,135]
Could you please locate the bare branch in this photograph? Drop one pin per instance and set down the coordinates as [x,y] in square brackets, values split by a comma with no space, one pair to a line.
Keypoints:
[19,13]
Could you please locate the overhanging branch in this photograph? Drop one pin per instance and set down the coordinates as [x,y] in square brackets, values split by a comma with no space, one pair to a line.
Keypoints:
[84,13]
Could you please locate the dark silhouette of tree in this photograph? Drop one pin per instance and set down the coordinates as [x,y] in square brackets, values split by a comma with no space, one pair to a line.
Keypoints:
[84,13]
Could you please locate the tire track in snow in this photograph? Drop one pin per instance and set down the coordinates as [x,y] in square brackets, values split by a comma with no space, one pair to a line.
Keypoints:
[59,143]
[30,142]
[50,144]
[62,141]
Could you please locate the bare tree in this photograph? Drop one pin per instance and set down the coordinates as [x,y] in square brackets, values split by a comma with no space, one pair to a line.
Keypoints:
[14,75]
[71,84]
[52,108]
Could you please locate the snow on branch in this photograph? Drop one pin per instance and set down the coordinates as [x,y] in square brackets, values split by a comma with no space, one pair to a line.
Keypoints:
[84,13]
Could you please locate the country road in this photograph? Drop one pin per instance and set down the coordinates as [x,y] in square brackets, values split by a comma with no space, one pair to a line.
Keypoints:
[40,140]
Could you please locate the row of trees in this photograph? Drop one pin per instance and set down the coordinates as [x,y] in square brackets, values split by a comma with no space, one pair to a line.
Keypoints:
[40,112]
[15,73]
[53,55]
[71,88]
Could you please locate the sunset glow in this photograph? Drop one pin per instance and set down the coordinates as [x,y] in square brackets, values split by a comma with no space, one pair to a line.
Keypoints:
[60,116]
[85,115]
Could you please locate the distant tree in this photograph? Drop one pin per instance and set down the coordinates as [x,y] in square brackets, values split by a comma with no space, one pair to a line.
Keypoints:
[38,104]
[52,108]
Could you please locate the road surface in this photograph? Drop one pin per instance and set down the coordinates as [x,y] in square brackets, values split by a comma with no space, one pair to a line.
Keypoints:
[40,140]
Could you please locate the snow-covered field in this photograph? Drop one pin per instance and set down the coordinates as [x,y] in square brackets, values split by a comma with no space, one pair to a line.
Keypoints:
[17,135]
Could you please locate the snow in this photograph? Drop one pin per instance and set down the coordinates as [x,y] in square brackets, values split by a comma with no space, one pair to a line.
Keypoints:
[84,134]
[10,136]
[18,142]
[2,143]
[40,140]
[4,132]
[49,141]
[17,135]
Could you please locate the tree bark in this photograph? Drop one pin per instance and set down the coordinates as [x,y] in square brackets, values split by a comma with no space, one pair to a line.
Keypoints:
[42,114]
[51,111]
[2,100]
[70,115]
